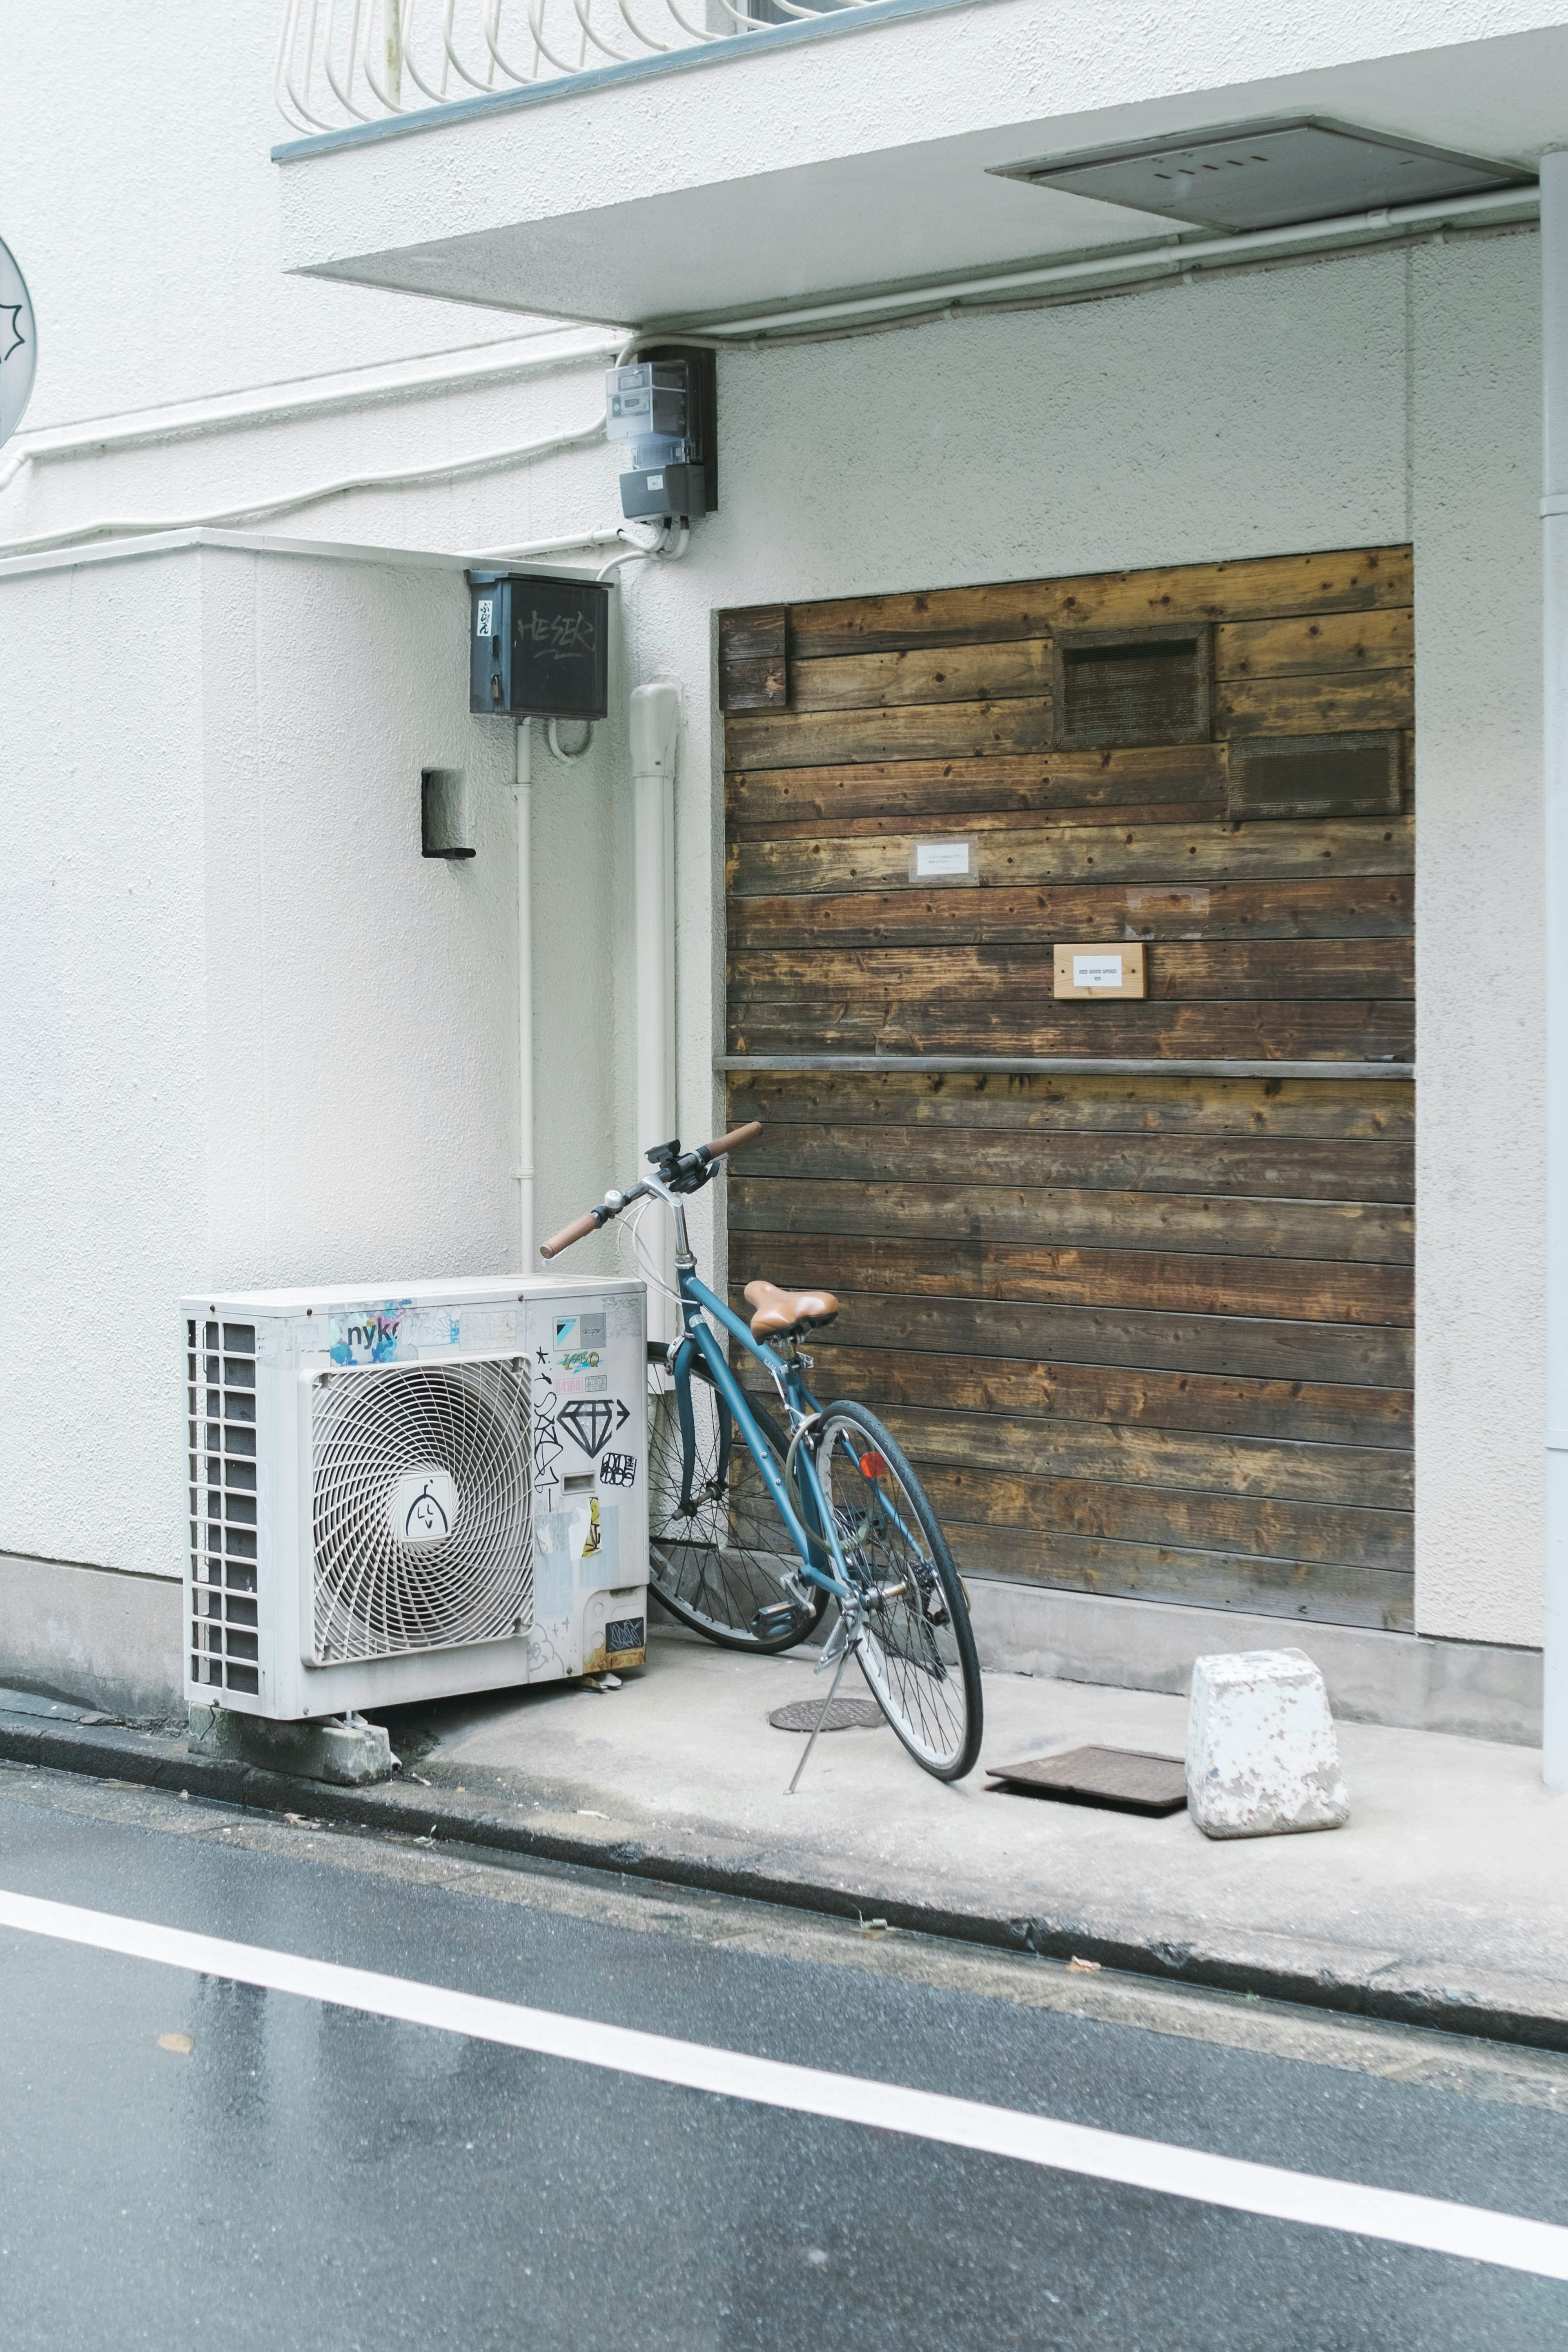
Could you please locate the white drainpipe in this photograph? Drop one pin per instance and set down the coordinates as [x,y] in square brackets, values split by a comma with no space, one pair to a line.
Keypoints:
[1555,516]
[655,736]
[525,796]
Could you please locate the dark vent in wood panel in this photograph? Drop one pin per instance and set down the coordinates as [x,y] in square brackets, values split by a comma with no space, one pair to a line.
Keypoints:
[753,659]
[1315,775]
[1132,687]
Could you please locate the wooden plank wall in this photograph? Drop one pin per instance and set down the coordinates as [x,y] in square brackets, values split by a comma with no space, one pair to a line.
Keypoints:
[1144,1335]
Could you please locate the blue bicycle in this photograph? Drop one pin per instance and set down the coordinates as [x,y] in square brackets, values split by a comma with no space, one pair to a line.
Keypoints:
[748,1543]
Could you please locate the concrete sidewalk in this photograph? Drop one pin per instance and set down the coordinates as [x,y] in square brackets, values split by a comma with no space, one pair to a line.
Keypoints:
[1444,1903]
[1446,1894]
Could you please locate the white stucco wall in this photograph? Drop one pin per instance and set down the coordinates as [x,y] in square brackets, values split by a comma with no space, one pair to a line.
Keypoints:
[137,194]
[101,1177]
[286,1042]
[1479,914]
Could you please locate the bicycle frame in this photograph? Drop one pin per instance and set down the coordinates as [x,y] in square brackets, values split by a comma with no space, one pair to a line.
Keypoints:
[697,1337]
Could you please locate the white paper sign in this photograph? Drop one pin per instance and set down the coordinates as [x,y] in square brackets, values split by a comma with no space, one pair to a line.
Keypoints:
[941,857]
[1097,971]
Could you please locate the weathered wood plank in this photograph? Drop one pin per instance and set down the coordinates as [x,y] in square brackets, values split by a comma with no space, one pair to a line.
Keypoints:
[1331,704]
[951,731]
[1044,1103]
[1262,1167]
[1258,1528]
[922,788]
[1179,972]
[991,821]
[1239,1346]
[1305,1411]
[1172,857]
[921,674]
[1364,1234]
[1366,1476]
[1302,1289]
[1320,641]
[1253,587]
[753,659]
[753,632]
[1362,907]
[1326,1032]
[1296,1591]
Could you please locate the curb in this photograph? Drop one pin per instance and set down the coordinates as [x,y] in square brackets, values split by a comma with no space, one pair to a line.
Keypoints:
[1530,2012]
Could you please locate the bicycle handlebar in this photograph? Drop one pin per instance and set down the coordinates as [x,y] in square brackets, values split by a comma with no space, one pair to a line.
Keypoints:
[693,1164]
[732,1140]
[577,1230]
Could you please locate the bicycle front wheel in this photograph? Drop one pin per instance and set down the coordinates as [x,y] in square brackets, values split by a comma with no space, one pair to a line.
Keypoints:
[718,1549]
[917,1645]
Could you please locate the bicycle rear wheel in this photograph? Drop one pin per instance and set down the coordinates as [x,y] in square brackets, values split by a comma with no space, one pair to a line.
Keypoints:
[713,1564]
[916,1646]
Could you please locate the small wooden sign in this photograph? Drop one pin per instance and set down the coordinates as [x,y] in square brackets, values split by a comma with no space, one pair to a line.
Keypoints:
[1101,968]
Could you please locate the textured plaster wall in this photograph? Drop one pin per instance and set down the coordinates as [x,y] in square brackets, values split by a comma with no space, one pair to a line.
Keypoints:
[1480,1322]
[360,999]
[102,1179]
[272,1042]
[137,194]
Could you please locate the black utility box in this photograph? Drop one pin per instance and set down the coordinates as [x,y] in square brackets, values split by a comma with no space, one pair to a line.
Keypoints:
[538,645]
[663,493]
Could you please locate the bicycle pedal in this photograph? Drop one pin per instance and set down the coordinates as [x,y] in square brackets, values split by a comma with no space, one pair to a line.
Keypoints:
[774,1617]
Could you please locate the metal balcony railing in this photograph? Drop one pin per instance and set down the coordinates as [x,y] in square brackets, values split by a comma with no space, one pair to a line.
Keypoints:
[341,62]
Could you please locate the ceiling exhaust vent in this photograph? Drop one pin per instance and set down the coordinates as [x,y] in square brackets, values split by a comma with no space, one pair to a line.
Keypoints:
[1269,175]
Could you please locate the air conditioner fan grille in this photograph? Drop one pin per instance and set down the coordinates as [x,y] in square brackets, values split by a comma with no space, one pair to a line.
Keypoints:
[420,1508]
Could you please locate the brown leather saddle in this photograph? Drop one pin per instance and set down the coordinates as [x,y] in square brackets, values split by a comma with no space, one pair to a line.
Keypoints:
[783,1314]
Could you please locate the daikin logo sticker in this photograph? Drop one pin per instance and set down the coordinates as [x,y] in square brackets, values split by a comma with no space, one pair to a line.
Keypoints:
[423,1506]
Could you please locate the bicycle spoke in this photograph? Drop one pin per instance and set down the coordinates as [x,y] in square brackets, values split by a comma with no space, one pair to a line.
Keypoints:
[715,1566]
[915,1644]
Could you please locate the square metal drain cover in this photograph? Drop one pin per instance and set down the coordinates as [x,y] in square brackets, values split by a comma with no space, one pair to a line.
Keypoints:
[1119,1779]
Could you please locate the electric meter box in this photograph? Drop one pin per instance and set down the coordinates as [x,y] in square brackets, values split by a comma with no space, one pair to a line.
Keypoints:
[537,646]
[649,403]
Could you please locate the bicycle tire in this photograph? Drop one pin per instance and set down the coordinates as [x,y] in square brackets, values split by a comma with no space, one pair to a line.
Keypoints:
[716,1588]
[916,1645]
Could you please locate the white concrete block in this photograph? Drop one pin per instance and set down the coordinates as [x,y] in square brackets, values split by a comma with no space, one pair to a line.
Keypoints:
[1261,1756]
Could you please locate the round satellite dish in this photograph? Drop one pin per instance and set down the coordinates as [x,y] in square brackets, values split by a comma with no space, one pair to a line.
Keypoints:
[19,345]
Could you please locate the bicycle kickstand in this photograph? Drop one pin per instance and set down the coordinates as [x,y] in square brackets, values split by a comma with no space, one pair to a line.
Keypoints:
[837,1654]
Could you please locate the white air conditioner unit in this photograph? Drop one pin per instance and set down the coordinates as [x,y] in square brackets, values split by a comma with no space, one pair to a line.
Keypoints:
[398,1496]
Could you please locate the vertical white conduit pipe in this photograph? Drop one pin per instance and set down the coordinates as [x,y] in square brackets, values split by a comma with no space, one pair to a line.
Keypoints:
[525,801]
[1554,535]
[656,737]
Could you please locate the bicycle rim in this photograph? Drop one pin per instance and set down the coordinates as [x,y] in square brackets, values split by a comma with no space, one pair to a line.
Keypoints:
[916,1647]
[715,1566]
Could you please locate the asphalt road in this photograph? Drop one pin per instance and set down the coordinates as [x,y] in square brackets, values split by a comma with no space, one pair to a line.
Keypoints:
[190,2162]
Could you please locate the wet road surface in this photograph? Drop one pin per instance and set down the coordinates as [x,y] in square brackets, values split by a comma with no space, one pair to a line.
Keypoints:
[189,2160]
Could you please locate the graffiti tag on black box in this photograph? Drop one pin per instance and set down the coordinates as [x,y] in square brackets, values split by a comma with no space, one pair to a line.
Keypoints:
[618,1470]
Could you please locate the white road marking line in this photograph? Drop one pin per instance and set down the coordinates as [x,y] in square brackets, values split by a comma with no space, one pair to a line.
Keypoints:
[1395,2215]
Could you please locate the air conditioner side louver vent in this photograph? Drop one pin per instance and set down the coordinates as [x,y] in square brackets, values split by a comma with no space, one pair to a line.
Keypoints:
[420,1508]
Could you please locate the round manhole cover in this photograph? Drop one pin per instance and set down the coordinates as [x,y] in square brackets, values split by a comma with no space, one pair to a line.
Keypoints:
[844,1714]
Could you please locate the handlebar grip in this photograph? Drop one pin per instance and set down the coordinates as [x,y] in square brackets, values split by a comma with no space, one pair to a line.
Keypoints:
[575,1232]
[732,1140]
